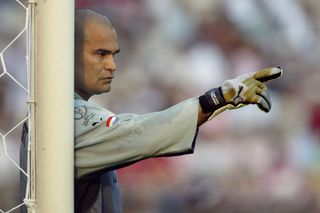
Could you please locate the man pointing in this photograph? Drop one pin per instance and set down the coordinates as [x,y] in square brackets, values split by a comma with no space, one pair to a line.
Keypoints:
[105,141]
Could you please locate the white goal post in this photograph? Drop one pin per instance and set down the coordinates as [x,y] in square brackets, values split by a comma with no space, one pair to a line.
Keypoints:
[53,42]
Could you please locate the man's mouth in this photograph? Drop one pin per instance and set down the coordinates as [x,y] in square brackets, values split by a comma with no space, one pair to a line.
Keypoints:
[107,79]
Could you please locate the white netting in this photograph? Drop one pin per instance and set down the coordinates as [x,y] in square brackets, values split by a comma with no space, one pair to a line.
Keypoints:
[15,84]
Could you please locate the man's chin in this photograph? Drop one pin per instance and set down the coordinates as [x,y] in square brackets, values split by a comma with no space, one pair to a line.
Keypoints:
[105,90]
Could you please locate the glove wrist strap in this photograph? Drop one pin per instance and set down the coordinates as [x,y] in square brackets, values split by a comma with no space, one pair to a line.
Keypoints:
[212,100]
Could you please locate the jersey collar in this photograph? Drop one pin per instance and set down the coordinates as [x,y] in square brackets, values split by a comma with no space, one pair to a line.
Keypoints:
[77,96]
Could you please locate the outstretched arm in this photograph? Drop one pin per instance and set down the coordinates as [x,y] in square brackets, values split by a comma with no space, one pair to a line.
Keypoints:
[105,141]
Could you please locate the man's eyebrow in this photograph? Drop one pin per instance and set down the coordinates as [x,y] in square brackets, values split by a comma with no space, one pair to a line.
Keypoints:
[105,51]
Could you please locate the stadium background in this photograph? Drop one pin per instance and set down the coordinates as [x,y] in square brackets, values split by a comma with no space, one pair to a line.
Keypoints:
[245,160]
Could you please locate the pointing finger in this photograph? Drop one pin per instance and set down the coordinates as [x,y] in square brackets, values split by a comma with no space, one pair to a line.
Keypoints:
[268,74]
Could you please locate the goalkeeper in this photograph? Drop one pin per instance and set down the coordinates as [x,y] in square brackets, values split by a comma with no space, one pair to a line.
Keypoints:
[105,141]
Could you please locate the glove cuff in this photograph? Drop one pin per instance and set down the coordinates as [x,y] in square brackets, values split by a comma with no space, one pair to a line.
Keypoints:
[212,100]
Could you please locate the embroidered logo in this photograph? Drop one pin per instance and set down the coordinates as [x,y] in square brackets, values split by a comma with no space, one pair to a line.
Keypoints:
[97,122]
[112,120]
[79,112]
[238,98]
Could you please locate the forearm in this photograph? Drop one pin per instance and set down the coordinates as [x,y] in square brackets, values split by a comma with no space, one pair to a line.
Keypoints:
[209,103]
[202,116]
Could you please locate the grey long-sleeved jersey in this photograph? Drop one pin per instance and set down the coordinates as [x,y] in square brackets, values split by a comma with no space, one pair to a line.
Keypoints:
[105,141]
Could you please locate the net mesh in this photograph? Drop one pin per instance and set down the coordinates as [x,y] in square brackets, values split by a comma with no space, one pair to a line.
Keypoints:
[15,110]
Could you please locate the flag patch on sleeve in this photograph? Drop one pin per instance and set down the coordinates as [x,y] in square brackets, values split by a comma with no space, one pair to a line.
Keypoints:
[112,120]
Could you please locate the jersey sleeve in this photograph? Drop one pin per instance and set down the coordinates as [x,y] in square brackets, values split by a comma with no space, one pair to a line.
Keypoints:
[105,141]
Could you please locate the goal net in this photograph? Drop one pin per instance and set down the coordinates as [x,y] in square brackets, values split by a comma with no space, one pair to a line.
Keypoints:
[36,106]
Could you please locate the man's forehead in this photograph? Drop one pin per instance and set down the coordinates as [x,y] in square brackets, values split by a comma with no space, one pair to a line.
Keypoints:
[97,30]
[101,37]
[96,21]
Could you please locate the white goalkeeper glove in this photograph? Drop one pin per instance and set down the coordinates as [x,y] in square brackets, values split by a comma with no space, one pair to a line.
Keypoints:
[243,90]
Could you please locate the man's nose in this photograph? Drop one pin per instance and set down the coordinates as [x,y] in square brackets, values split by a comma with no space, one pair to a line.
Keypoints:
[110,63]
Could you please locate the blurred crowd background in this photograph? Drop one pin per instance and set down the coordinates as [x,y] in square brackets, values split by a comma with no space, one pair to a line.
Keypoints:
[171,50]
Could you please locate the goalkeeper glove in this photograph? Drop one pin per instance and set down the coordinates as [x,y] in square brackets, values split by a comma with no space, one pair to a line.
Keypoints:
[240,91]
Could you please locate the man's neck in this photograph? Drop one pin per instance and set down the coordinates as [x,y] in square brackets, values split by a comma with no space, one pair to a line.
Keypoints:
[84,95]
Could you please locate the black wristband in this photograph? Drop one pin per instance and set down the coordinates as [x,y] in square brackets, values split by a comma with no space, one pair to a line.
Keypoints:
[212,100]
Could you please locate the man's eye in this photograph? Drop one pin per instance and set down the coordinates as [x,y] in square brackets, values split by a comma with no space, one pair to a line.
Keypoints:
[101,53]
